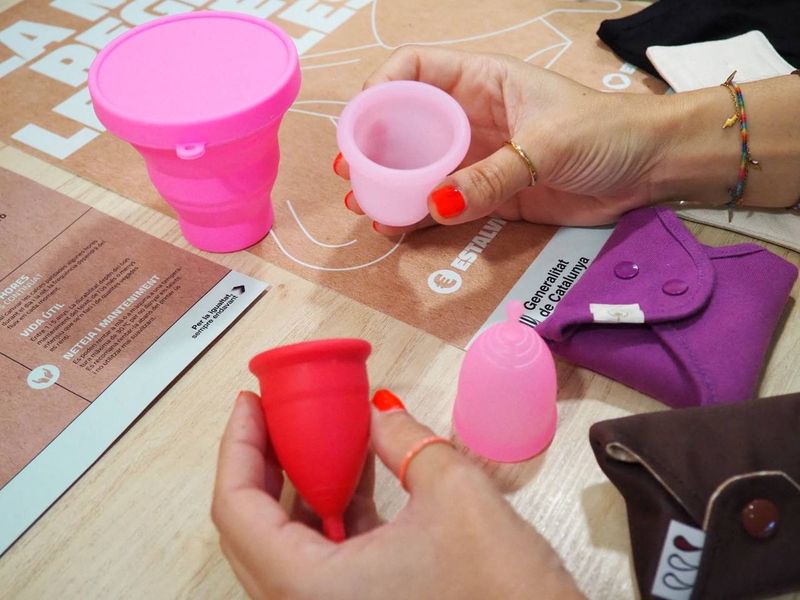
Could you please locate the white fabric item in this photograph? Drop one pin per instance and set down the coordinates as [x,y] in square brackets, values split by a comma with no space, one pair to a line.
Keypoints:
[707,64]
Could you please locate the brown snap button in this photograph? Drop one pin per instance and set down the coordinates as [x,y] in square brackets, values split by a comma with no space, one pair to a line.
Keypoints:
[760,518]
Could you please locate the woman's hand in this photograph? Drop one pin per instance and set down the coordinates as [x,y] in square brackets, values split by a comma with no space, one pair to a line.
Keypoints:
[456,538]
[592,157]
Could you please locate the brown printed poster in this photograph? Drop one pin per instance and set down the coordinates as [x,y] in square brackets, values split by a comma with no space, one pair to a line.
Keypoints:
[46,47]
[96,319]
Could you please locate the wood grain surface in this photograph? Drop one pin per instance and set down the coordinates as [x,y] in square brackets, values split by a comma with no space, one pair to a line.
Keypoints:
[137,524]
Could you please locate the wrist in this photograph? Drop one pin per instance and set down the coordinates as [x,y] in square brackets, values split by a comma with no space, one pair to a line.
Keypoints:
[697,160]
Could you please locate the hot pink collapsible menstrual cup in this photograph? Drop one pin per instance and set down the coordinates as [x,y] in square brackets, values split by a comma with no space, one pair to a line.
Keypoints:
[401,139]
[505,409]
[316,402]
[201,97]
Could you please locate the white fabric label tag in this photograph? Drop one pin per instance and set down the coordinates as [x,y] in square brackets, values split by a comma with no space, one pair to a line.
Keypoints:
[680,559]
[617,313]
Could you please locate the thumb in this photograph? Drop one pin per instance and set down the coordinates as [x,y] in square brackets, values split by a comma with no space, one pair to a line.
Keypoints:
[397,439]
[477,190]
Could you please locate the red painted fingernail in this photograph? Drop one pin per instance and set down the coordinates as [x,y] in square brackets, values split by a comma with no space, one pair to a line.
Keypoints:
[336,162]
[375,226]
[449,201]
[384,401]
[346,197]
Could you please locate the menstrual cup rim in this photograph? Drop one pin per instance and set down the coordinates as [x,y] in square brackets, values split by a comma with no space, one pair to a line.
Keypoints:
[105,108]
[359,161]
[303,351]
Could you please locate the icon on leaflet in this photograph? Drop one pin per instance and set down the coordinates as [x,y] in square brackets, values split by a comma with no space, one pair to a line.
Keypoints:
[238,290]
[444,281]
[43,377]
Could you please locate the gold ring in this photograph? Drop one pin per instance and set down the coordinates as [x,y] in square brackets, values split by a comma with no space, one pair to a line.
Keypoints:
[524,156]
[416,449]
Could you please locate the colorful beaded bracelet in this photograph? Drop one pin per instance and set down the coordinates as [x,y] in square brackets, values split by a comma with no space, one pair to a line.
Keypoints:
[746,161]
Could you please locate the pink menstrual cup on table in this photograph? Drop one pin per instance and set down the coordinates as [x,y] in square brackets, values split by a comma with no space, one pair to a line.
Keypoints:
[505,409]
[401,139]
[316,403]
[201,96]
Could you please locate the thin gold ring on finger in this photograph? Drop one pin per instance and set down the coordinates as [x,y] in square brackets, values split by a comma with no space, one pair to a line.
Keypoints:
[524,156]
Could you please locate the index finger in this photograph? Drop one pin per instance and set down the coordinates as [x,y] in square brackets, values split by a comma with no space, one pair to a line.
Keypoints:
[397,437]
[441,67]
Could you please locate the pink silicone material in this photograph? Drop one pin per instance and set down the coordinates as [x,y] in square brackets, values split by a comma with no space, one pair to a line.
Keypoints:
[505,409]
[316,403]
[201,96]
[401,139]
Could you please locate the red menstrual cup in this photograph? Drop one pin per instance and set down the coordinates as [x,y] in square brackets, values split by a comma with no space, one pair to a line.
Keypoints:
[316,403]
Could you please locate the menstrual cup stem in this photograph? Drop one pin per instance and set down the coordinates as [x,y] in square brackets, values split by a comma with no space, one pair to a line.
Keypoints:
[510,330]
[333,527]
[514,310]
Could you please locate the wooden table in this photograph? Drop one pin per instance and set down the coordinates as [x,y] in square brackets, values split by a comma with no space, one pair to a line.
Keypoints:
[137,524]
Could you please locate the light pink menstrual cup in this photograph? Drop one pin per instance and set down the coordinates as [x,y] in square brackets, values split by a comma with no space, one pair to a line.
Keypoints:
[401,139]
[201,97]
[505,409]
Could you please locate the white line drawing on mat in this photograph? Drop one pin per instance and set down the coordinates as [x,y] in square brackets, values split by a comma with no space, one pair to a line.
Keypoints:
[302,263]
[311,237]
[314,113]
[617,6]
[614,6]
[333,64]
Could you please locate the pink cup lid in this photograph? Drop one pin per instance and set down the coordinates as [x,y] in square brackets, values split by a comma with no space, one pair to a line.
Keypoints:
[194,79]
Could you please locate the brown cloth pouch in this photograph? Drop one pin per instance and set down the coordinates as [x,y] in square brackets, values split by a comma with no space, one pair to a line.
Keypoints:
[713,497]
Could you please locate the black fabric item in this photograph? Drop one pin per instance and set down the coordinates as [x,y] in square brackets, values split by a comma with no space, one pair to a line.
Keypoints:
[677,22]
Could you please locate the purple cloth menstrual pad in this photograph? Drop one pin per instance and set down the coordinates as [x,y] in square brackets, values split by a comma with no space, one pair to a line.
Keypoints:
[709,313]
